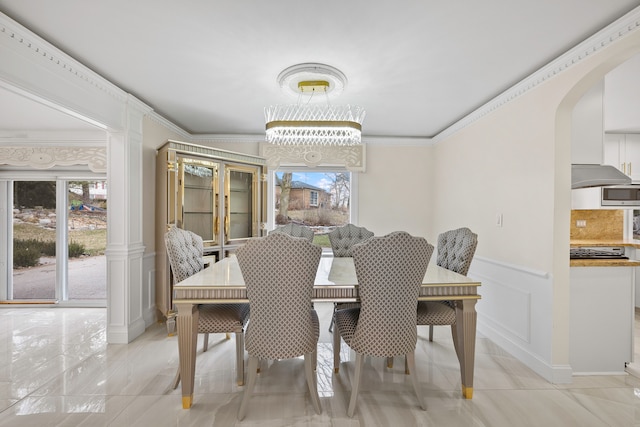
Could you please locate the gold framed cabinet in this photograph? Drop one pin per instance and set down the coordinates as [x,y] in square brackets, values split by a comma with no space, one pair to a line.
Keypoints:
[219,195]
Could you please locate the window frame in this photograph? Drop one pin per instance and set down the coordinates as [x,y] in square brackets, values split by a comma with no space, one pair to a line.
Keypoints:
[271,200]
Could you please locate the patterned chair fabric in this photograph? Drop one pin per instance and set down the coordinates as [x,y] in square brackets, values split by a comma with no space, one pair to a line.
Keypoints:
[456,249]
[343,238]
[295,230]
[390,270]
[279,271]
[185,249]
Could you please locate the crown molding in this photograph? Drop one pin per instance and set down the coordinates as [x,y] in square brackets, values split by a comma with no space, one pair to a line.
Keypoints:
[41,50]
[162,121]
[626,25]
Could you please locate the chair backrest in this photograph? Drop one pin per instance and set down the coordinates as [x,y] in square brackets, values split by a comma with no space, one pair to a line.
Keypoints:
[456,249]
[343,238]
[295,230]
[390,270]
[279,271]
[184,249]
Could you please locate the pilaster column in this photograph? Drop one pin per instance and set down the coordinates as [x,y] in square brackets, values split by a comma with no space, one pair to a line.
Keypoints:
[125,247]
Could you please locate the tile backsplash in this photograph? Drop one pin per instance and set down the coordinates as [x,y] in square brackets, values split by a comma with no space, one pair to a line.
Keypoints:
[601,224]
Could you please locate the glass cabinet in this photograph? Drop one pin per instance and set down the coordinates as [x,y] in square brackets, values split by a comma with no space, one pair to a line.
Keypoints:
[217,194]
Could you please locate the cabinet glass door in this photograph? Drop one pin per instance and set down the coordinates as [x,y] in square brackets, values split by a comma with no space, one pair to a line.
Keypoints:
[241,186]
[198,193]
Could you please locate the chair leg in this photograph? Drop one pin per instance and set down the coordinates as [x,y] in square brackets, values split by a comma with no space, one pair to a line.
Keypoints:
[176,380]
[331,324]
[240,358]
[355,384]
[251,381]
[411,362]
[390,362]
[336,351]
[311,382]
[430,332]
[205,346]
[407,371]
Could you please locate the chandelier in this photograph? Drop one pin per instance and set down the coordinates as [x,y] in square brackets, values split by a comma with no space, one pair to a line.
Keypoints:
[309,122]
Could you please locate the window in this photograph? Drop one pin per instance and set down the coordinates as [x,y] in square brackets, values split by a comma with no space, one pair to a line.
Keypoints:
[317,198]
[313,199]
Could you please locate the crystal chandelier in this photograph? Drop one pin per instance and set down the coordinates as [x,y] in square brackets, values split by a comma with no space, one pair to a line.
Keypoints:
[311,123]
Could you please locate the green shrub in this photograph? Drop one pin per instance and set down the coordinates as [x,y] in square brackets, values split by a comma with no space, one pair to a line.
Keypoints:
[25,255]
[76,250]
[47,248]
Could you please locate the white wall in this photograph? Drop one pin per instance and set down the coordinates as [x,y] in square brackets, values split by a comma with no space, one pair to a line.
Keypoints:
[515,161]
[395,192]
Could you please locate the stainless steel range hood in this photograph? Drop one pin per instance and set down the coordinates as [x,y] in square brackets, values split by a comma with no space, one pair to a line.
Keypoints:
[588,175]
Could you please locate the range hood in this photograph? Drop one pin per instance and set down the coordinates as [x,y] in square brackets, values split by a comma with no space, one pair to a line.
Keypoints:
[588,175]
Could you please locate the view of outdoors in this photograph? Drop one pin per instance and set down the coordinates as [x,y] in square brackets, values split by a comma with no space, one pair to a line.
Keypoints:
[34,241]
[320,200]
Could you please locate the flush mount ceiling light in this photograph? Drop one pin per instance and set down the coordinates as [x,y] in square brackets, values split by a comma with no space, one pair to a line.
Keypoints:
[313,120]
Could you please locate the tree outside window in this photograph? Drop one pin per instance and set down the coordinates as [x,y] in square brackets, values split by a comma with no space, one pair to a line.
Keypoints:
[319,199]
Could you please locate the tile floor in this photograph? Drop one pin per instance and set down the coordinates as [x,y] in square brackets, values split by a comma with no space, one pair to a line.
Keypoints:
[56,370]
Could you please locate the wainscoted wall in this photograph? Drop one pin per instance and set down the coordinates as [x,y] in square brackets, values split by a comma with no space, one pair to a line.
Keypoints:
[603,224]
[515,313]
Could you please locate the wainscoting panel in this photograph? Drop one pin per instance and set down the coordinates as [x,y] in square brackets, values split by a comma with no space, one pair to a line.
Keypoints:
[515,312]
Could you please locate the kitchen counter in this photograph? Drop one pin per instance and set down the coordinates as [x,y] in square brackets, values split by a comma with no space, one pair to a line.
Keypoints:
[602,242]
[605,262]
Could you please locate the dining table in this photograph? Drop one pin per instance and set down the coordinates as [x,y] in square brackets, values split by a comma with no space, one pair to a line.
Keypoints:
[336,281]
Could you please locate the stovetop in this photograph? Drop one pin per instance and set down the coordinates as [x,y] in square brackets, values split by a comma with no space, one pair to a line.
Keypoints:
[597,252]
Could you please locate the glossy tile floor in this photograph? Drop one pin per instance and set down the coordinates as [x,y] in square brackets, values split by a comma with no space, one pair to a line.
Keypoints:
[56,370]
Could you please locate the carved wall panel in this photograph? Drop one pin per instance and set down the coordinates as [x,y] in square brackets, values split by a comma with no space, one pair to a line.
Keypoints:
[47,157]
[351,157]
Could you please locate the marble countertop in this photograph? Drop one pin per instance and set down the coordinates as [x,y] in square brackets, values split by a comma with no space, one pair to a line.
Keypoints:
[603,242]
[604,263]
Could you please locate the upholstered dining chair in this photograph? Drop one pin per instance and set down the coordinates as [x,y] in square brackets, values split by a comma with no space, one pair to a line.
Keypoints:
[185,252]
[295,230]
[390,270]
[342,240]
[456,249]
[279,271]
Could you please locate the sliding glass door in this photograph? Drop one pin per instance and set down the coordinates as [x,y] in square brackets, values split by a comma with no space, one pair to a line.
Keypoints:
[59,238]
[34,240]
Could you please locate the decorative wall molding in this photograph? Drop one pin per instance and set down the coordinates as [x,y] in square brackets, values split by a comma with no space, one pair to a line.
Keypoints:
[42,50]
[47,157]
[622,27]
[351,157]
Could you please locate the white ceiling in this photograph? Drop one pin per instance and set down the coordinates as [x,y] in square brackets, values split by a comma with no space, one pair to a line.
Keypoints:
[210,66]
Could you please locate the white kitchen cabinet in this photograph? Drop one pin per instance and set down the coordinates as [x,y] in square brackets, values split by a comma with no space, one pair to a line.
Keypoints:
[622,97]
[623,151]
[586,198]
[586,127]
[601,319]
